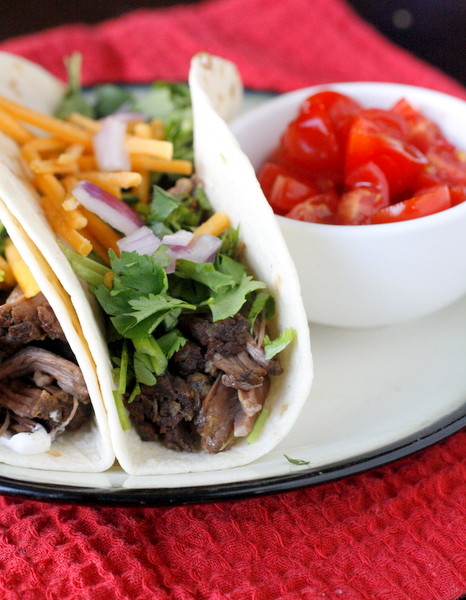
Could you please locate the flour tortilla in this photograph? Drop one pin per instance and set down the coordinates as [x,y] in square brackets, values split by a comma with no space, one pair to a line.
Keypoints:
[89,449]
[232,187]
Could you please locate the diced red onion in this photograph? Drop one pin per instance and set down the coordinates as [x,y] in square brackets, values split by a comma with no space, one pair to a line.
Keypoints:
[108,207]
[179,238]
[110,145]
[202,249]
[128,117]
[181,244]
[142,241]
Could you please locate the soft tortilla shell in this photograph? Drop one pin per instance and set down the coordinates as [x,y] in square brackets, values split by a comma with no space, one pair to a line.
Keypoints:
[232,187]
[90,448]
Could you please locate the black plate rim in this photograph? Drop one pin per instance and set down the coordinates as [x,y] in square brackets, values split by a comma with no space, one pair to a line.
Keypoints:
[241,490]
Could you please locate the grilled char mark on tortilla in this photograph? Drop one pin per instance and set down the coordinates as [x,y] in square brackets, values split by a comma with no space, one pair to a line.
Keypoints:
[37,385]
[214,390]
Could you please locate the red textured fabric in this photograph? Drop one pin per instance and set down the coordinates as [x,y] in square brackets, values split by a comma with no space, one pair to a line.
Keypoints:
[395,533]
[277,45]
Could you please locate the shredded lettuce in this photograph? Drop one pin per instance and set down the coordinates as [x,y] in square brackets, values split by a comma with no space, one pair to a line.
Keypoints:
[258,426]
[273,347]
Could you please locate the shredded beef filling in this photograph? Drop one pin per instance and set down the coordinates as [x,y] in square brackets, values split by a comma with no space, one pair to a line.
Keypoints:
[213,391]
[37,385]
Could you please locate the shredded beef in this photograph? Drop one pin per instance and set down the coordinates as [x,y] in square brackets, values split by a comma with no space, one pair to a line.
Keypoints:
[38,385]
[50,323]
[162,411]
[227,337]
[31,359]
[215,387]
[215,421]
[24,320]
[189,359]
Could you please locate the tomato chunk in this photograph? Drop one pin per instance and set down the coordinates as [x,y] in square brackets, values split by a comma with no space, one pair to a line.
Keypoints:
[422,132]
[317,209]
[339,108]
[427,203]
[310,140]
[287,191]
[370,176]
[267,175]
[387,122]
[400,162]
[457,194]
[448,166]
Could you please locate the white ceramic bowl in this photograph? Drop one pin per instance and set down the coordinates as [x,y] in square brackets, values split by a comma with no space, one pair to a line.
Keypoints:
[370,275]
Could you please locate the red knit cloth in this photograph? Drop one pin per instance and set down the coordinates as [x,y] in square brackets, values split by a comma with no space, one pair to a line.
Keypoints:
[395,533]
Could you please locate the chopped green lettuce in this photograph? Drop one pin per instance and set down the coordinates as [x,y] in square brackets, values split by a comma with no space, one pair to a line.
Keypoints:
[273,347]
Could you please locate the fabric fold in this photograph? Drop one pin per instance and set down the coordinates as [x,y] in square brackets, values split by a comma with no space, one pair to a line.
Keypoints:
[277,46]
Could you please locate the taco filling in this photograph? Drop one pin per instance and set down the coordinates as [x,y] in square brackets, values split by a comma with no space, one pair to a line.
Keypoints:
[191,348]
[42,389]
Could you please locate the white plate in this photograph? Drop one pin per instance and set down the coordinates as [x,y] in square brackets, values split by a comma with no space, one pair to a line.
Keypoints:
[378,395]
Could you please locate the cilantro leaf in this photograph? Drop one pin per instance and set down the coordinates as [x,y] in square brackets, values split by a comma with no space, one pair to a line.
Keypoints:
[227,265]
[229,303]
[151,348]
[141,273]
[172,104]
[147,313]
[297,461]
[205,273]
[171,342]
[109,98]
[143,369]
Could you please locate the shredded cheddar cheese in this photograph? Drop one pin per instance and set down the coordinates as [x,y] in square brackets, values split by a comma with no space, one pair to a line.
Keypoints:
[21,271]
[63,154]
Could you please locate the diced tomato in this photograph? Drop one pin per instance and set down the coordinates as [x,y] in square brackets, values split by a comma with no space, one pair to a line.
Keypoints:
[449,166]
[340,163]
[267,175]
[427,178]
[401,162]
[387,122]
[431,201]
[310,141]
[422,132]
[357,205]
[457,194]
[339,108]
[324,181]
[317,209]
[369,176]
[287,191]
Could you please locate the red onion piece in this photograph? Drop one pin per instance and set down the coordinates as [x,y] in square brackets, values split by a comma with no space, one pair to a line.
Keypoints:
[179,238]
[108,207]
[128,117]
[142,241]
[202,249]
[110,145]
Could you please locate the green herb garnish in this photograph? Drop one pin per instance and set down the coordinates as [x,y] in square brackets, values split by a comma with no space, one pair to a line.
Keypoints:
[297,461]
[73,99]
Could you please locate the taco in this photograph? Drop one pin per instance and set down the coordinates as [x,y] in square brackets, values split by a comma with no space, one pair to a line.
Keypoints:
[203,357]
[51,410]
